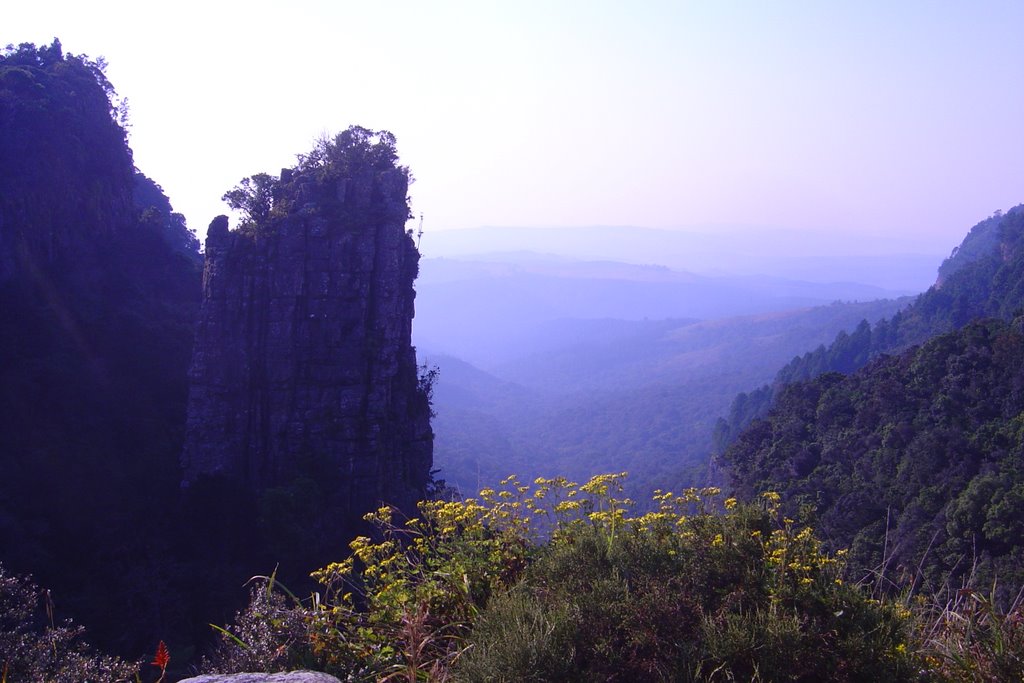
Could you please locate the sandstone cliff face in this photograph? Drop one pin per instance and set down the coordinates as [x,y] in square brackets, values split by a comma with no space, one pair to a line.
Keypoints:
[303,346]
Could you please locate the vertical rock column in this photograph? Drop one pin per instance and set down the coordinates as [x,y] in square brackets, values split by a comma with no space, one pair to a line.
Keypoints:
[303,348]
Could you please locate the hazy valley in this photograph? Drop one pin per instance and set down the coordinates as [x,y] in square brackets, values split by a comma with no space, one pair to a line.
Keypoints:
[550,365]
[737,451]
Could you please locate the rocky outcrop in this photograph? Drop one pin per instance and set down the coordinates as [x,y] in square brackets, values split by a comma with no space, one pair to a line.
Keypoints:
[303,354]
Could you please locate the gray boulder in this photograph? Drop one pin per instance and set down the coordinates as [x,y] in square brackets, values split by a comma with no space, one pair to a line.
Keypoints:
[290,677]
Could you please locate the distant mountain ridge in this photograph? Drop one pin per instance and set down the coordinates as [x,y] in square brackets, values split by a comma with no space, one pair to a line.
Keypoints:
[882,261]
[488,311]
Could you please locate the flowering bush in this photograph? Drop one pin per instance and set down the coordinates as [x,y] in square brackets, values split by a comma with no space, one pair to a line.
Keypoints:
[698,589]
[555,580]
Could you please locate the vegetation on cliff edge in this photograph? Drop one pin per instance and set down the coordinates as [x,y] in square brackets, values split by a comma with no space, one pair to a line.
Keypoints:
[559,581]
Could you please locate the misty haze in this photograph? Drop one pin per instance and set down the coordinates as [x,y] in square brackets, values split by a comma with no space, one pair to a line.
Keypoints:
[520,341]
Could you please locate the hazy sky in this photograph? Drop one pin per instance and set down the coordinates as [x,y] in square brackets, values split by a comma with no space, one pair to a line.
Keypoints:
[901,121]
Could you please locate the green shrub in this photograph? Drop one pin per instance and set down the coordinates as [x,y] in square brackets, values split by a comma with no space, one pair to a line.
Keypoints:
[735,595]
[560,581]
[33,649]
[269,635]
[968,638]
[523,637]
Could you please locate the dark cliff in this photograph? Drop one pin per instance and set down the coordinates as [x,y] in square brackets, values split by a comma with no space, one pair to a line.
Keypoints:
[303,364]
[304,382]
[99,289]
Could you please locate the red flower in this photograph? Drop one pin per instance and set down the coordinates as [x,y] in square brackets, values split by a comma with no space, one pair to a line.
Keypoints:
[162,657]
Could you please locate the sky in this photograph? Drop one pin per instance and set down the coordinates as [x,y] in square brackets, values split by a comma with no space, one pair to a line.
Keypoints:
[894,125]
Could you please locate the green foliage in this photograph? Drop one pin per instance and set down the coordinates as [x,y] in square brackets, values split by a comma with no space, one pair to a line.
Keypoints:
[915,462]
[519,634]
[36,650]
[435,572]
[351,153]
[336,178]
[732,595]
[254,197]
[426,378]
[983,278]
[343,172]
[560,581]
[969,638]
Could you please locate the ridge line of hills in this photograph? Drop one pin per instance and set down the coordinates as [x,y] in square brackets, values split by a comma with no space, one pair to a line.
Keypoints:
[903,441]
[981,278]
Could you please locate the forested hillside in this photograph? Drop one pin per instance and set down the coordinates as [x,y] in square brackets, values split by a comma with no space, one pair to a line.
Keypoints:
[915,462]
[984,277]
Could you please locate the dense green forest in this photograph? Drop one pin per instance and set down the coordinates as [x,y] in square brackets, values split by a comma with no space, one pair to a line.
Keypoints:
[913,460]
[914,463]
[984,277]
